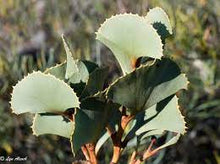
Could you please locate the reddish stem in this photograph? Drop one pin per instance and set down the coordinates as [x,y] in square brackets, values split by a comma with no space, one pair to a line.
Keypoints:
[85,152]
[91,149]
[147,154]
[117,136]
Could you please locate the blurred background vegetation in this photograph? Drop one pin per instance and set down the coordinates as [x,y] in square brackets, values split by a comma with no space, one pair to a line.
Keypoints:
[30,40]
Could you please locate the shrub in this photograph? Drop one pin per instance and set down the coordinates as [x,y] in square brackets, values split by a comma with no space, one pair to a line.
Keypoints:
[71,99]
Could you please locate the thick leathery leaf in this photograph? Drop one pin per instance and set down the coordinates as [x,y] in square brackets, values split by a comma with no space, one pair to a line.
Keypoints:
[160,21]
[71,66]
[165,116]
[96,82]
[81,75]
[57,124]
[90,121]
[147,85]
[58,71]
[39,92]
[129,37]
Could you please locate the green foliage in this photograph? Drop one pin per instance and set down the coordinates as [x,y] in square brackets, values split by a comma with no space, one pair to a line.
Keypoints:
[129,37]
[38,93]
[48,124]
[71,66]
[160,21]
[148,85]
[156,120]
[72,100]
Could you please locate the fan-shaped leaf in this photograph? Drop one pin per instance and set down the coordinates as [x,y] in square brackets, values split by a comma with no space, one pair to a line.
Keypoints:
[147,85]
[129,37]
[71,66]
[82,75]
[57,124]
[39,92]
[160,21]
[165,116]
[58,71]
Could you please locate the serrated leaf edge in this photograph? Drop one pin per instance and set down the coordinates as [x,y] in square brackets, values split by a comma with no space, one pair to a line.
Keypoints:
[169,29]
[34,132]
[72,133]
[140,67]
[180,114]
[50,68]
[39,72]
[70,55]
[134,15]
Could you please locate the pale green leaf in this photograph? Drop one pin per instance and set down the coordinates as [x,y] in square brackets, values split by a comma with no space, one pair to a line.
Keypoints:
[71,66]
[164,116]
[82,75]
[129,37]
[160,118]
[147,85]
[158,15]
[57,124]
[39,92]
[58,71]
[101,142]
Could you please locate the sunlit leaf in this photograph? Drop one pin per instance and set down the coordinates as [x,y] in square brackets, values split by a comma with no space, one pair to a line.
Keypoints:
[160,118]
[147,85]
[101,142]
[129,37]
[39,92]
[82,75]
[165,116]
[57,124]
[160,21]
[71,66]
[58,71]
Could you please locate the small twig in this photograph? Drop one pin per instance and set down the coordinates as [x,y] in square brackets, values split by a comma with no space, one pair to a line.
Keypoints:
[91,149]
[133,157]
[117,136]
[85,152]
[147,154]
